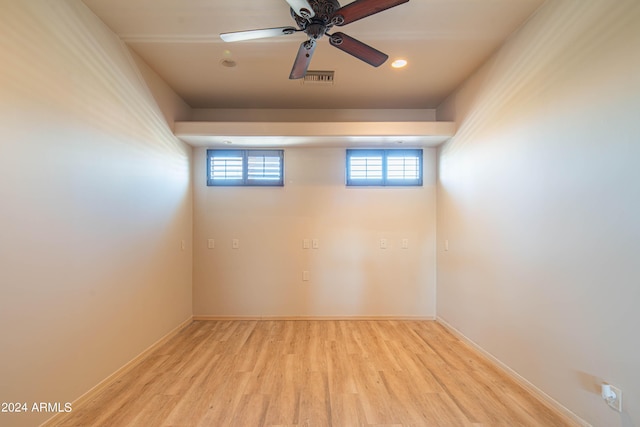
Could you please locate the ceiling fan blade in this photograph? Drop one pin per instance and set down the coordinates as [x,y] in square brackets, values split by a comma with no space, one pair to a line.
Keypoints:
[302,8]
[362,8]
[257,34]
[358,49]
[305,53]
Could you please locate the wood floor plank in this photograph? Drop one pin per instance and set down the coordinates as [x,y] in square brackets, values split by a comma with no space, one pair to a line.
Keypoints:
[315,406]
[155,412]
[224,402]
[346,409]
[441,411]
[339,373]
[421,377]
[251,410]
[372,392]
[313,373]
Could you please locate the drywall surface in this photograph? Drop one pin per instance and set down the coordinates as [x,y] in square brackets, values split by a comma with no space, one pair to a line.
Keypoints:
[349,274]
[95,201]
[539,200]
[172,106]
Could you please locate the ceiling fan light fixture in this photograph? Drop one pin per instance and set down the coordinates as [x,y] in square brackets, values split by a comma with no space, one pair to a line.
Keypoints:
[399,63]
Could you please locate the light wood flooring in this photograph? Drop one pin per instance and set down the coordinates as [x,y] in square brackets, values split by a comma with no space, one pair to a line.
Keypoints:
[313,373]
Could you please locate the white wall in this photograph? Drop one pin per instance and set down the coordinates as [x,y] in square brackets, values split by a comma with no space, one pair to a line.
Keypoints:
[349,274]
[539,198]
[94,202]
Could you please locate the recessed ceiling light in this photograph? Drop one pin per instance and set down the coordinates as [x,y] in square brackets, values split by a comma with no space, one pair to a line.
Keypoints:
[399,63]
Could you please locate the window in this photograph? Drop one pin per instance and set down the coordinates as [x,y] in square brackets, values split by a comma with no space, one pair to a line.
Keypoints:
[384,167]
[245,167]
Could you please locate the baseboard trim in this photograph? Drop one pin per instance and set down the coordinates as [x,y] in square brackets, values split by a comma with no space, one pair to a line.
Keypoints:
[417,318]
[117,374]
[543,397]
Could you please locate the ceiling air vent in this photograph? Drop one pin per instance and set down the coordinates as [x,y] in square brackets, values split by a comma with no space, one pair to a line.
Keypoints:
[318,77]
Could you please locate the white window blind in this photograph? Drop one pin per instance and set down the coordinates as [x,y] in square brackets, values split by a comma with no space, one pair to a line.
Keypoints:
[245,167]
[403,167]
[365,167]
[226,167]
[384,167]
[264,166]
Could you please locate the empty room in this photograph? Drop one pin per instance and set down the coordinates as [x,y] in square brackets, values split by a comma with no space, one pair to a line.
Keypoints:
[313,213]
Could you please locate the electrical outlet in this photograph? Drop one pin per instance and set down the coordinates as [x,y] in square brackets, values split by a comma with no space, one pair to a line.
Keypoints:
[405,243]
[613,396]
[383,243]
[305,244]
[315,243]
[211,243]
[235,244]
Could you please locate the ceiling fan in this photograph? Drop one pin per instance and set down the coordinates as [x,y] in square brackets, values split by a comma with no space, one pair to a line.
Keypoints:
[315,18]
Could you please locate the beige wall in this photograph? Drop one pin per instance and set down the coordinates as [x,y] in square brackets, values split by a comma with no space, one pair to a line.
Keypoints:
[94,202]
[349,274]
[539,198]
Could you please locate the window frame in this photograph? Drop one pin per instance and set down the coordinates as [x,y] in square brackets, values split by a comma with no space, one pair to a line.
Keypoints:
[245,180]
[384,155]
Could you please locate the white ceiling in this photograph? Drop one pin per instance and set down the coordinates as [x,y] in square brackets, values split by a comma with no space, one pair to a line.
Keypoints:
[443,40]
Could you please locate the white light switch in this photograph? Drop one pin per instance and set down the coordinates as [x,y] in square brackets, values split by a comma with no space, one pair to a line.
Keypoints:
[383,243]
[305,244]
[315,243]
[446,245]
[305,276]
[183,244]
[405,243]
[211,243]
[235,244]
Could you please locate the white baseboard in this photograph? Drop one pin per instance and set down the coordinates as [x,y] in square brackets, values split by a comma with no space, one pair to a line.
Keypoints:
[208,317]
[117,374]
[531,388]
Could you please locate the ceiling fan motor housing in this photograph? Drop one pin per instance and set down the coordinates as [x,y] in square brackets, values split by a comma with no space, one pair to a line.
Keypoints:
[317,26]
